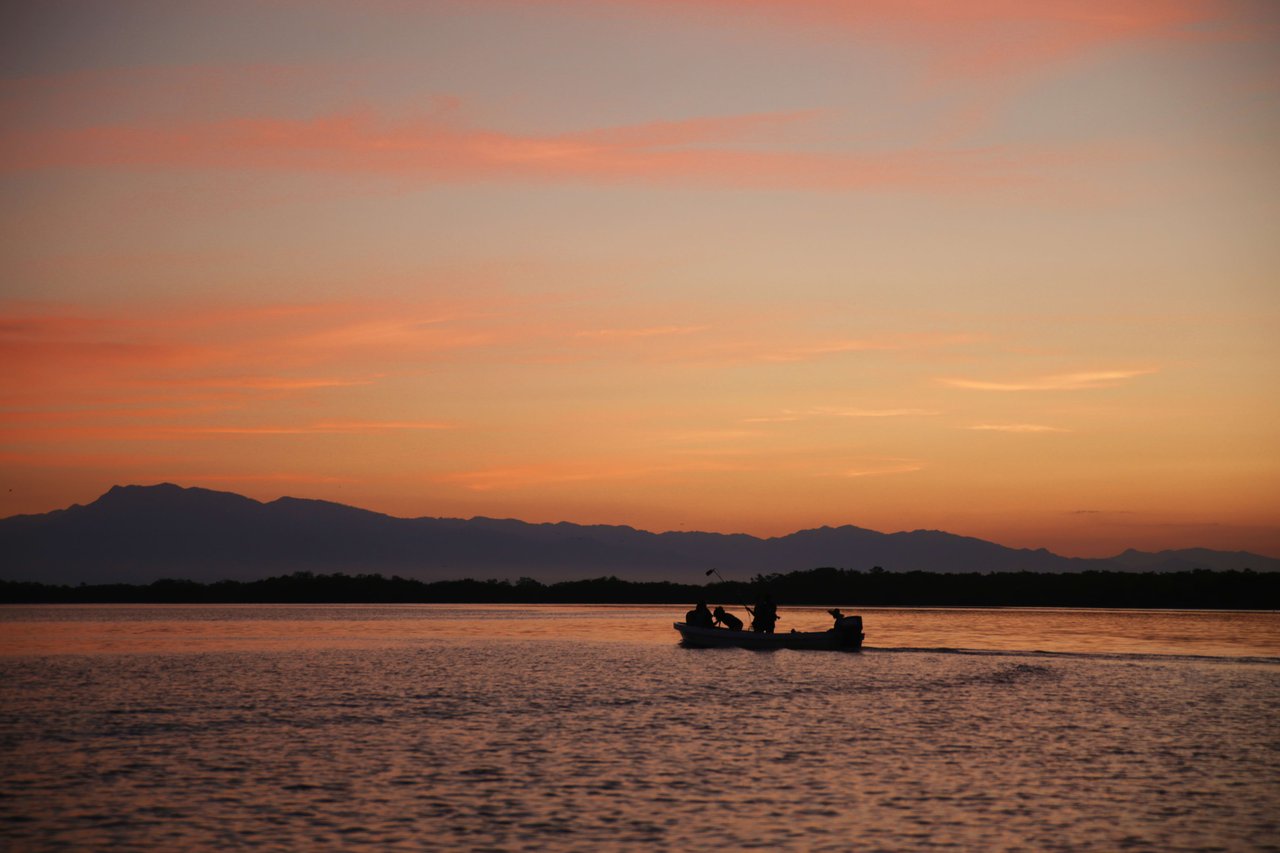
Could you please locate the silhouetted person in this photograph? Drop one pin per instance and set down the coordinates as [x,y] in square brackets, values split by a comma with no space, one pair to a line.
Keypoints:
[765,615]
[699,616]
[843,621]
[728,620]
[848,627]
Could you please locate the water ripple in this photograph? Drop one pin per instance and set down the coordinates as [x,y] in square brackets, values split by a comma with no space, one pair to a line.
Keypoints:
[541,744]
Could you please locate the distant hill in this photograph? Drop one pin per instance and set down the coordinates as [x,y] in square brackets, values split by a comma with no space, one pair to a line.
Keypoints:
[137,534]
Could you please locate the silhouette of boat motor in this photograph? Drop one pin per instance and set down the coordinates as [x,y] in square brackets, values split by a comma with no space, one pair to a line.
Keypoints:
[846,637]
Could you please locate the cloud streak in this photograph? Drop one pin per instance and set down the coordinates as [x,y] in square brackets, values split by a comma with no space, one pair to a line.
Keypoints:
[718,152]
[644,332]
[553,474]
[1081,381]
[1023,428]
[790,416]
[976,38]
[193,373]
[903,467]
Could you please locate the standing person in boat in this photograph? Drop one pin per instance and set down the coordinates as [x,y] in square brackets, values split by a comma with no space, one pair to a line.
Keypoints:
[699,616]
[765,614]
[728,620]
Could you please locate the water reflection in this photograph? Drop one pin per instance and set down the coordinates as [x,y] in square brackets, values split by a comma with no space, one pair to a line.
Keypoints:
[541,743]
[97,629]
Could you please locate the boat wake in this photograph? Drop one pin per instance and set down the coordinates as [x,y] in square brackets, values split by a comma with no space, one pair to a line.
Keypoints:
[1038,653]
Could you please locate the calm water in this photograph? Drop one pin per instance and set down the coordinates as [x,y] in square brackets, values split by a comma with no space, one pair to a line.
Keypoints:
[583,728]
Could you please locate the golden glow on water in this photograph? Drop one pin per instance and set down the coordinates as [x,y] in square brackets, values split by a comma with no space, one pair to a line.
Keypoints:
[589,728]
[109,629]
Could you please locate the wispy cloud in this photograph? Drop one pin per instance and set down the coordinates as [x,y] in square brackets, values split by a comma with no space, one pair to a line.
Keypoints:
[1017,428]
[976,38]
[1101,512]
[1085,380]
[710,436]
[905,466]
[643,332]
[808,352]
[161,373]
[787,352]
[61,458]
[773,419]
[526,476]
[322,427]
[54,429]
[703,151]
[266,477]
[789,416]
[266,383]
[876,413]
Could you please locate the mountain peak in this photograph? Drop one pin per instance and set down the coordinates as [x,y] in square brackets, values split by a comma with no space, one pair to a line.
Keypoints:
[161,491]
[136,533]
[135,489]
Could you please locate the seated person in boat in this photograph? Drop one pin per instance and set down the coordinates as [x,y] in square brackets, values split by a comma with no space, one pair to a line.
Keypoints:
[728,620]
[765,615]
[845,622]
[699,616]
[851,626]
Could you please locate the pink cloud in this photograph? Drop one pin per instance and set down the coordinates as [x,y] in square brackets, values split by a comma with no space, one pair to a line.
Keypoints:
[194,358]
[718,152]
[971,38]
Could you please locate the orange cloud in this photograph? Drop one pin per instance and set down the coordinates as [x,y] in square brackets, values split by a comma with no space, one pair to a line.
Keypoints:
[788,416]
[1059,382]
[525,476]
[888,343]
[146,372]
[905,466]
[270,477]
[518,477]
[1017,428]
[64,459]
[319,428]
[645,332]
[202,359]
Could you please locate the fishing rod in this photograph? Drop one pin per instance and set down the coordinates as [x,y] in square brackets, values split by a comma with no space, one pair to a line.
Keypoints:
[710,572]
[743,605]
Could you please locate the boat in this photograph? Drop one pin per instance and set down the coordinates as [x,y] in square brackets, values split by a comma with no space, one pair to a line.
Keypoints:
[847,636]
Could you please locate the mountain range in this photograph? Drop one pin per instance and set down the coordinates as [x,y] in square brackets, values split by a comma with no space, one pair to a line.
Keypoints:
[137,534]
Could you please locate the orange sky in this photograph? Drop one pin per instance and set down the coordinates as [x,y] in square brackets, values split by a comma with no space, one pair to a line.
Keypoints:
[999,268]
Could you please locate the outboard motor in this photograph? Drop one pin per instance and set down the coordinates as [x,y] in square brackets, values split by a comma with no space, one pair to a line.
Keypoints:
[848,629]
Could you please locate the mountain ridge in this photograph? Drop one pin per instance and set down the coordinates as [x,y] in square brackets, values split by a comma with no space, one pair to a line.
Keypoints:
[138,534]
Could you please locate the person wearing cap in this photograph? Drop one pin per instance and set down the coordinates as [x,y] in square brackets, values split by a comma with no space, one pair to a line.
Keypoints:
[852,625]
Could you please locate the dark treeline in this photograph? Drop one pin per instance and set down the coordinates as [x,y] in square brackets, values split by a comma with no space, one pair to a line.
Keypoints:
[1193,589]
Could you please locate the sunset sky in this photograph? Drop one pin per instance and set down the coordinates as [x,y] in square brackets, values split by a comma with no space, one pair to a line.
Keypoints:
[1006,268]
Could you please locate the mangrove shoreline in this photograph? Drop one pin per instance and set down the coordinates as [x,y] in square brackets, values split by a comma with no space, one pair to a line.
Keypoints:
[1198,589]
